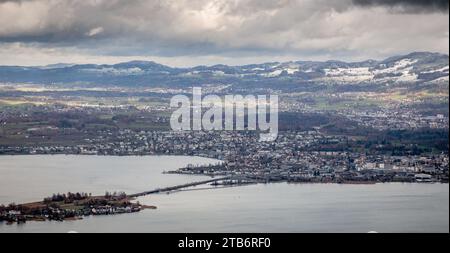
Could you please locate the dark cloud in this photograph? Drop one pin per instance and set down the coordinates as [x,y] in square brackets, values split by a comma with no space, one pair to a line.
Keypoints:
[175,28]
[415,6]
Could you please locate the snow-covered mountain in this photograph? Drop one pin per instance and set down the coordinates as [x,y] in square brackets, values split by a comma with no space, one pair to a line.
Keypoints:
[415,67]
[419,67]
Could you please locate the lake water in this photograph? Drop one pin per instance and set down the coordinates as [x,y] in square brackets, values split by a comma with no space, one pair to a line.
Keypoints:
[256,208]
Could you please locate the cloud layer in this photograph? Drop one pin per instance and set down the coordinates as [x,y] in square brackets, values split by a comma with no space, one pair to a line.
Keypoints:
[234,29]
[414,6]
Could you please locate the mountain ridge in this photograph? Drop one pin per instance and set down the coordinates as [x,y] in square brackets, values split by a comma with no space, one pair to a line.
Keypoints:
[423,68]
[67,64]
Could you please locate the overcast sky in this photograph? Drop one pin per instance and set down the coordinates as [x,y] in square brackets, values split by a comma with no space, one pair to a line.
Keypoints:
[195,32]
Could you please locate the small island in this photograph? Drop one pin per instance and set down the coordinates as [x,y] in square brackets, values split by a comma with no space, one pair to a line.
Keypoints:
[70,206]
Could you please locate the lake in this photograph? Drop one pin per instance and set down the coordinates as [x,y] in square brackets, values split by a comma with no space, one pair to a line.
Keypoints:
[281,207]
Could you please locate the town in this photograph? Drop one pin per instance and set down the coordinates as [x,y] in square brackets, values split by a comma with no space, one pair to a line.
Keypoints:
[396,143]
[309,156]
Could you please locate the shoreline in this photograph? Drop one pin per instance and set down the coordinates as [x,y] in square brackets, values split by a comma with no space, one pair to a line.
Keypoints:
[62,208]
[133,204]
[76,208]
